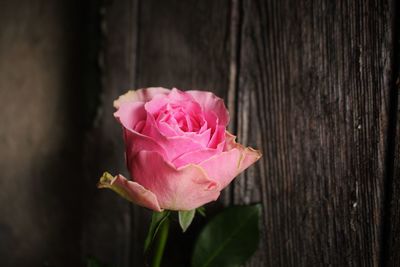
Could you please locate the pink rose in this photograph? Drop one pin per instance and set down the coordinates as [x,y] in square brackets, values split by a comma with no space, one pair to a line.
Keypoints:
[178,151]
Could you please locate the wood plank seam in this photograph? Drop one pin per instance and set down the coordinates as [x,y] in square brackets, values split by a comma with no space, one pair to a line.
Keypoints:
[389,243]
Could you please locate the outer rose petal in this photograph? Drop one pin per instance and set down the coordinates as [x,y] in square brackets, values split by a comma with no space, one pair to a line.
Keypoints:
[129,114]
[140,95]
[184,188]
[136,142]
[131,191]
[229,141]
[195,157]
[227,165]
[211,103]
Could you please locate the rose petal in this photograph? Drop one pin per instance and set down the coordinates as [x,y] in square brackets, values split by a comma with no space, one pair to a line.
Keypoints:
[135,142]
[140,95]
[211,103]
[130,190]
[129,114]
[229,141]
[195,157]
[185,188]
[201,138]
[178,145]
[175,98]
[224,167]
[173,146]
[167,130]
[217,138]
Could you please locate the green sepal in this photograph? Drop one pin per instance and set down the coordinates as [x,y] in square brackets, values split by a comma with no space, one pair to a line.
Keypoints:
[186,218]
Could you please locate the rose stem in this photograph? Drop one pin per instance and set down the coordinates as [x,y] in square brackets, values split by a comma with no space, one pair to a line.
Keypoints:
[161,242]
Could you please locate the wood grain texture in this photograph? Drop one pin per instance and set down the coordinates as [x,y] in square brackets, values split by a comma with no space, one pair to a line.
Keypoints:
[108,228]
[184,44]
[314,82]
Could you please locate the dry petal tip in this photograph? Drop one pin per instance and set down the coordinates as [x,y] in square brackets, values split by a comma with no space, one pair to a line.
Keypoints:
[128,96]
[105,180]
[258,152]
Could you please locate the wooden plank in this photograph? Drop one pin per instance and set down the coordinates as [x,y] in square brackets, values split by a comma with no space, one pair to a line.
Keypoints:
[180,45]
[40,136]
[184,44]
[107,221]
[313,94]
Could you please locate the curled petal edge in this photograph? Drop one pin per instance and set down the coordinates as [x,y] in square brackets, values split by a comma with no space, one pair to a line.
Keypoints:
[211,103]
[248,156]
[130,191]
[237,158]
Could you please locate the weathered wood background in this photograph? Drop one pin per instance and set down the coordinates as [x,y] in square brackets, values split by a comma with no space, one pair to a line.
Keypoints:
[314,84]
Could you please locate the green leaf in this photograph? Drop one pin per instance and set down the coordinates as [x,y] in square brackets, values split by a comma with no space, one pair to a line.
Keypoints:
[186,218]
[156,221]
[229,239]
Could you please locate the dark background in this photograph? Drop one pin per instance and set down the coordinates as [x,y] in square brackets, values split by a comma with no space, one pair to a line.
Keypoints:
[314,84]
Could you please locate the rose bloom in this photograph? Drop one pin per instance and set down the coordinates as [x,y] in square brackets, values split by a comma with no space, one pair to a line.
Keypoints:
[178,151]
